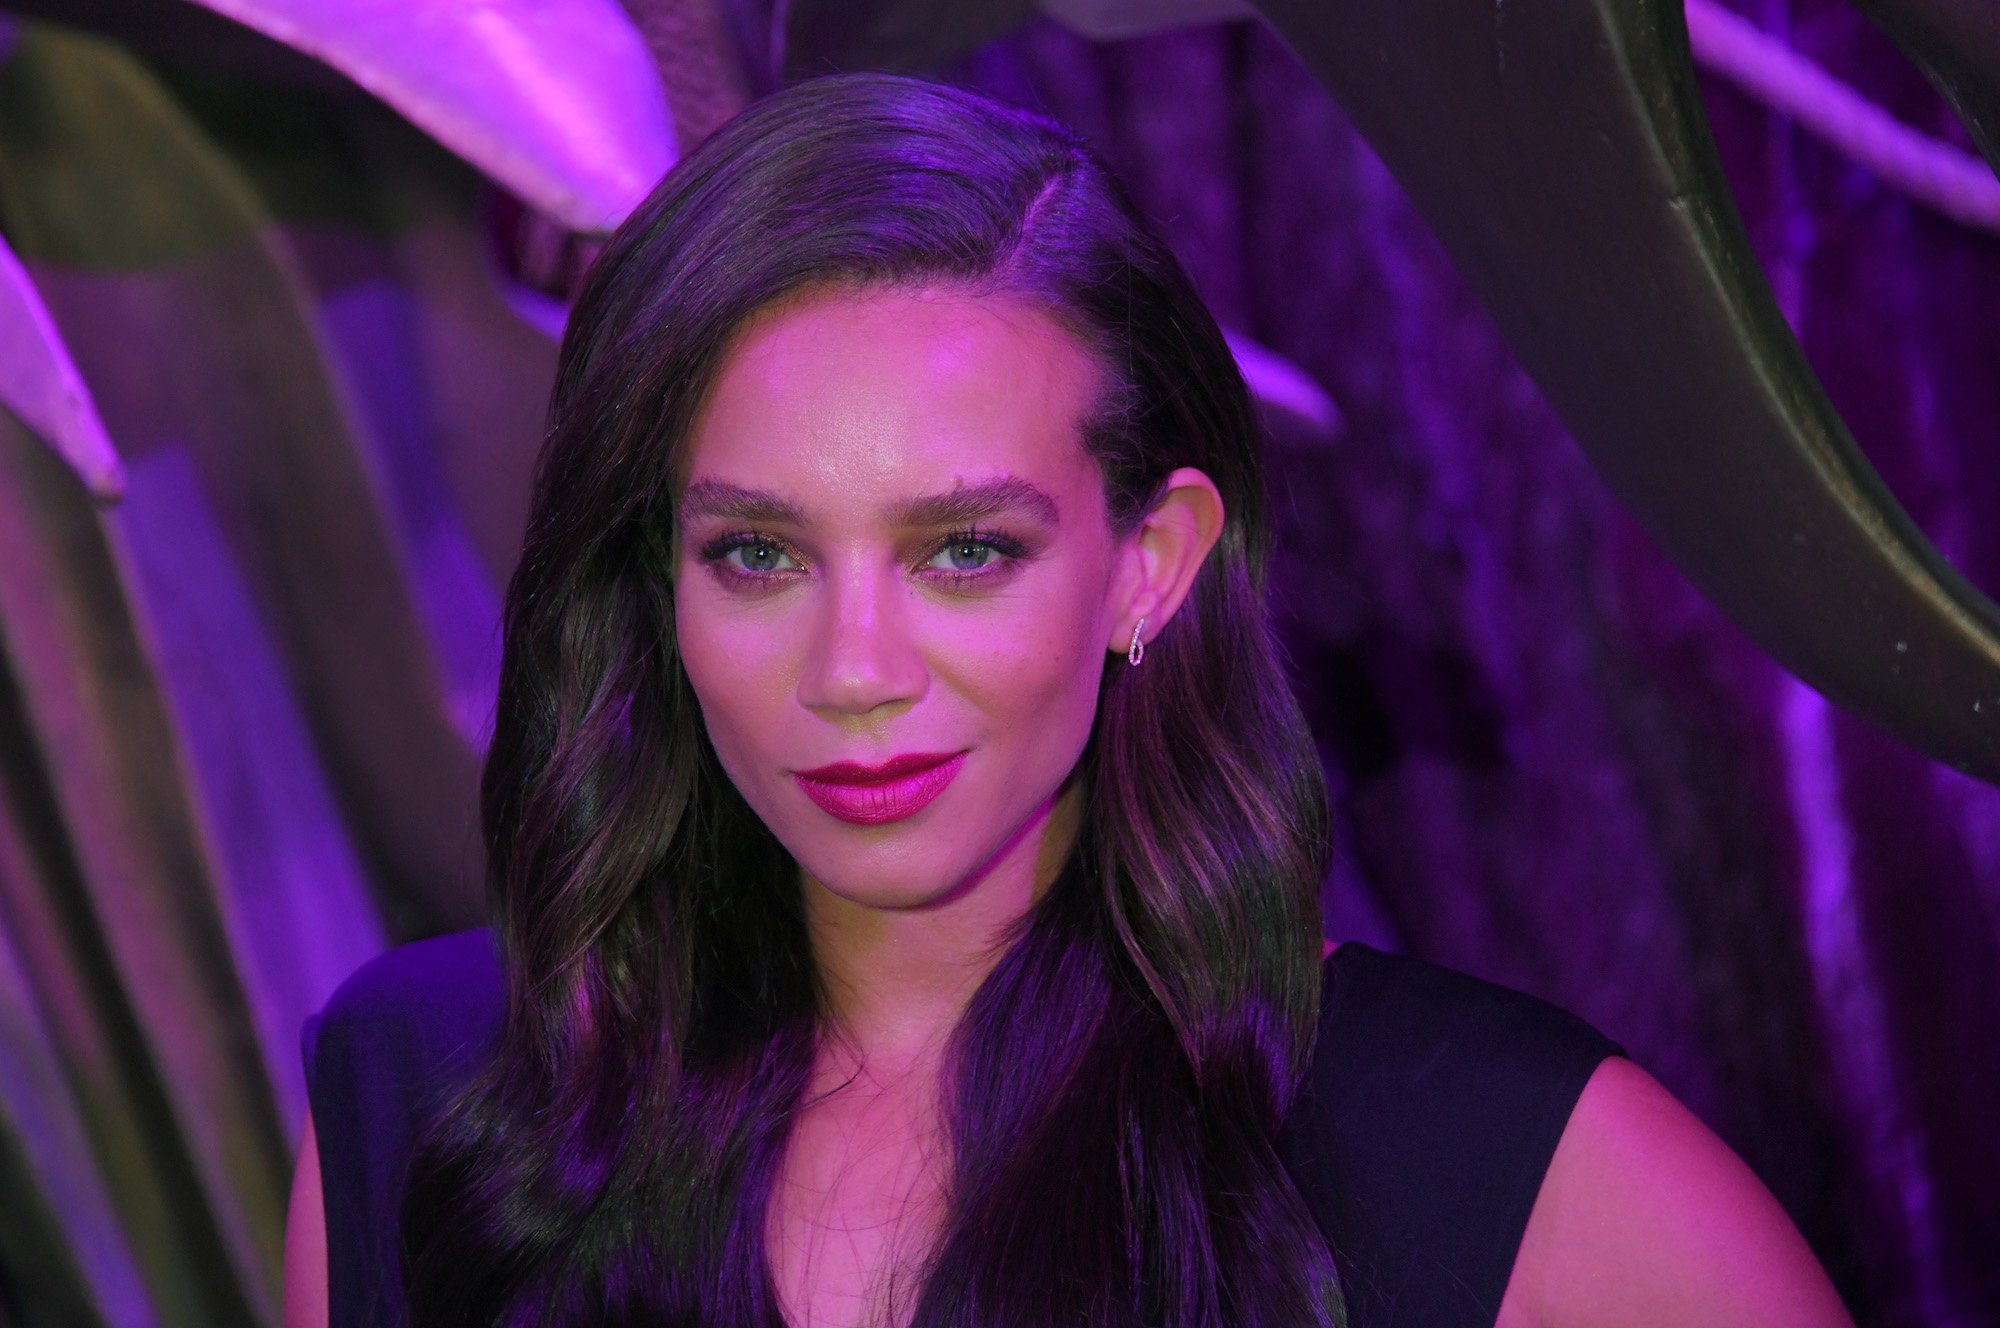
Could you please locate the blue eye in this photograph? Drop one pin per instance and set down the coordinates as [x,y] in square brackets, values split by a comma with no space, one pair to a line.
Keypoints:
[749,557]
[969,548]
[751,561]
[757,554]
[1002,554]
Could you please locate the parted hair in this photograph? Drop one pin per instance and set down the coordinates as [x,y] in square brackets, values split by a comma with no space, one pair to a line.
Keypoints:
[1114,1089]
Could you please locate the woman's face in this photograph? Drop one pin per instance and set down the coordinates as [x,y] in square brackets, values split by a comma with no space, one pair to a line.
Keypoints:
[832,607]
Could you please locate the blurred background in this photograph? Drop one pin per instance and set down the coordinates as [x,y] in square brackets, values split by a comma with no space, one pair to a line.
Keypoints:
[280,292]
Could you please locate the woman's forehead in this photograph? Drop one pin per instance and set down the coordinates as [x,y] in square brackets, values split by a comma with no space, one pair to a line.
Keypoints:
[887,399]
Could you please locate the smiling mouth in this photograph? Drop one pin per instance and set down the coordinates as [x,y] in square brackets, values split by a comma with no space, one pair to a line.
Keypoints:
[891,792]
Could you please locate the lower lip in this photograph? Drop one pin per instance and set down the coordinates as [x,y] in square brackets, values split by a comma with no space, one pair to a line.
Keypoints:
[875,804]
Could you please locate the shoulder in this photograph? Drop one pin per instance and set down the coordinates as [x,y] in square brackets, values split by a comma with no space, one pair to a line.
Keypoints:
[1429,1112]
[409,1007]
[1418,1067]
[390,1046]
[1369,993]
[420,970]
[1646,1217]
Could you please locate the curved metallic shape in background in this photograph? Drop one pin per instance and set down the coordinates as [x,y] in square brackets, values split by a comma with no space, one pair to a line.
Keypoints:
[40,384]
[1933,171]
[1560,152]
[1957,45]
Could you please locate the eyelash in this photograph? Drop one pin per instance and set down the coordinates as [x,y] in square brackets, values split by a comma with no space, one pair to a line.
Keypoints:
[1010,550]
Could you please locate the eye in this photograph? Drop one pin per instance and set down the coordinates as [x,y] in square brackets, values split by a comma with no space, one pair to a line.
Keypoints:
[972,556]
[760,561]
[759,557]
[965,557]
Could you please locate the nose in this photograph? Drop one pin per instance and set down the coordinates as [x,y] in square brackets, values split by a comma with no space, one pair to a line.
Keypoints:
[859,652]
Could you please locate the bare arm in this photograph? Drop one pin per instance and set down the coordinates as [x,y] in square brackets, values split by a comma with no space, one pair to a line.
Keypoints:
[305,1241]
[1647,1219]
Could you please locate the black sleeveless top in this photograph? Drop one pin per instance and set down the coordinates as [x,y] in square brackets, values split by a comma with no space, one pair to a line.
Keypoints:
[1419,1138]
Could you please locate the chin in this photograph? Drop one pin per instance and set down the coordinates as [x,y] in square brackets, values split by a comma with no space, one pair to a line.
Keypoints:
[865,885]
[922,862]
[890,898]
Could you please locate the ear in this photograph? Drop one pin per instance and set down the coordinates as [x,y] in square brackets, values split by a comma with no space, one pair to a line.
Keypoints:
[1161,557]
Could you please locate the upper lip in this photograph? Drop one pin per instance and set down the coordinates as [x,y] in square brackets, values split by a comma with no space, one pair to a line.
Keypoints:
[853,772]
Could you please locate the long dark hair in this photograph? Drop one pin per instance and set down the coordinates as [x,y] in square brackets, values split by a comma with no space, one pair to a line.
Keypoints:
[1115,1085]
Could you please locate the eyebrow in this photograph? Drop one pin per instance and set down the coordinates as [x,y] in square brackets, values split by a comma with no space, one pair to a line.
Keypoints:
[958,506]
[733,501]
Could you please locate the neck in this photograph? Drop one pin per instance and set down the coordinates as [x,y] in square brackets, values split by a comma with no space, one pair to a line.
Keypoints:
[897,979]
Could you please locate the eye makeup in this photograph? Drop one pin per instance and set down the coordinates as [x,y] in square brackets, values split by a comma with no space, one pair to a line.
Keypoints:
[722,546]
[1010,553]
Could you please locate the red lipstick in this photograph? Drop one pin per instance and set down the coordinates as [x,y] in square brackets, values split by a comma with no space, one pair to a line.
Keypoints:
[872,795]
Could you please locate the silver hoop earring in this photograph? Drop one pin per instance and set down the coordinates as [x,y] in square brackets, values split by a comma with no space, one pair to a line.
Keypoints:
[1137,651]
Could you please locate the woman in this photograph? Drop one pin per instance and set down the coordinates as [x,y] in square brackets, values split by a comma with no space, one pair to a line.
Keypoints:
[904,847]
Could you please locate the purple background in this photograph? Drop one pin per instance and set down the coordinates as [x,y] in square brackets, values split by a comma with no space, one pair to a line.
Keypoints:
[240,712]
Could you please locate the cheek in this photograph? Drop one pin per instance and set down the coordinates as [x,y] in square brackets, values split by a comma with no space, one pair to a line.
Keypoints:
[734,673]
[1037,683]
